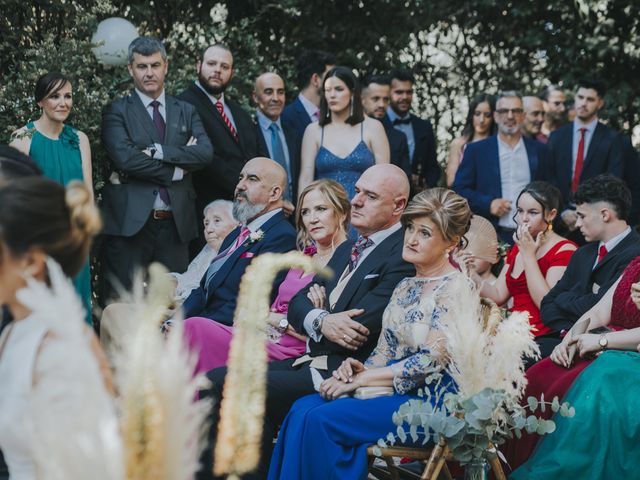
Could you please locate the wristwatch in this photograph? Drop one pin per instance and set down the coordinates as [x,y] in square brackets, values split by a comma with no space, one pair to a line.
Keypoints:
[603,342]
[317,322]
[283,325]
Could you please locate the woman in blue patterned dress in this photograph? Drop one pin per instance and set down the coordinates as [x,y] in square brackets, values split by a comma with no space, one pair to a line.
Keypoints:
[326,436]
[62,152]
[344,142]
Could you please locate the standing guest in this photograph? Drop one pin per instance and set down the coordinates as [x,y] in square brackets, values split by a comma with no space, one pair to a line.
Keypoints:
[322,220]
[347,319]
[536,262]
[62,152]
[376,94]
[263,228]
[154,141]
[533,117]
[344,143]
[602,205]
[279,140]
[555,111]
[494,171]
[584,148]
[478,126]
[419,132]
[311,68]
[326,436]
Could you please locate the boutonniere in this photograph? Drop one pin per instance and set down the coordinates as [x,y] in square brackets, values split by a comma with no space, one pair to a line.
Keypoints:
[255,236]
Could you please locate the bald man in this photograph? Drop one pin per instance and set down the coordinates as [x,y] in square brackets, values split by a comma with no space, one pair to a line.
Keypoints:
[279,140]
[257,205]
[365,275]
[533,118]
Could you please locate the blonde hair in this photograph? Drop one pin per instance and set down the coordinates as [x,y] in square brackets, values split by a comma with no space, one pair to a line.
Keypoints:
[335,195]
[446,209]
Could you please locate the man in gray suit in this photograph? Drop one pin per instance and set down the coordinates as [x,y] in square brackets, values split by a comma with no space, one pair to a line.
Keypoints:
[154,141]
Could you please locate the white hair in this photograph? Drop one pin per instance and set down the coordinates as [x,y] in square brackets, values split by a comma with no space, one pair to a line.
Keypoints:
[228,207]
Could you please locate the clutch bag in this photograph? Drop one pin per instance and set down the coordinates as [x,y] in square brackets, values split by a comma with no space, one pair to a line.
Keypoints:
[365,393]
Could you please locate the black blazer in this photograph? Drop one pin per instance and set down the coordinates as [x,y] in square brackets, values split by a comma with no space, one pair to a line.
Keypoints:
[574,294]
[399,149]
[220,178]
[369,288]
[605,155]
[127,129]
[218,302]
[293,146]
[424,154]
[296,118]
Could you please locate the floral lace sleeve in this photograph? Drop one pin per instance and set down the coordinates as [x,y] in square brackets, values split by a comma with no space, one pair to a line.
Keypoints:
[382,354]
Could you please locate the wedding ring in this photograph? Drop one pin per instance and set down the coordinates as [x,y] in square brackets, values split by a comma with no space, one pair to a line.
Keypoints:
[344,337]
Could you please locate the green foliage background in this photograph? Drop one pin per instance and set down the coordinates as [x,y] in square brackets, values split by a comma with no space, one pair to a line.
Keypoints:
[456,47]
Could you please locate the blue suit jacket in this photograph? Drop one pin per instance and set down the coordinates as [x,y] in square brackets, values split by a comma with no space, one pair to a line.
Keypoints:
[218,302]
[478,177]
[294,116]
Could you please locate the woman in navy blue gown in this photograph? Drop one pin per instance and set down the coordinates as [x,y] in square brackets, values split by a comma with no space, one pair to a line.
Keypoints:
[325,436]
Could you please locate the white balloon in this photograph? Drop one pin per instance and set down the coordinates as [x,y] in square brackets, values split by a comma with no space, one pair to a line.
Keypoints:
[112,39]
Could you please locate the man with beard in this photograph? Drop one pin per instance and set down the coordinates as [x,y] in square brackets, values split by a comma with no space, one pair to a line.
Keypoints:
[533,118]
[555,110]
[229,128]
[257,205]
[494,171]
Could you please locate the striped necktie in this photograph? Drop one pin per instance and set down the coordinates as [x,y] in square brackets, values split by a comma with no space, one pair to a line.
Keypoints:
[226,120]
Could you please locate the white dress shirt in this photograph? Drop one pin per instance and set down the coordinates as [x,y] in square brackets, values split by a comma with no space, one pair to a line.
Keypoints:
[588,135]
[514,176]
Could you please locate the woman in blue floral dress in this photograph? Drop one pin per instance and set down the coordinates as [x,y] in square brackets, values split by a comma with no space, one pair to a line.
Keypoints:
[62,152]
[325,436]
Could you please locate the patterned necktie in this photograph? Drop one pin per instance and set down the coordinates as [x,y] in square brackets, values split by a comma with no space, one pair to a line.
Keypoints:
[277,150]
[160,125]
[360,246]
[601,253]
[219,259]
[579,162]
[226,120]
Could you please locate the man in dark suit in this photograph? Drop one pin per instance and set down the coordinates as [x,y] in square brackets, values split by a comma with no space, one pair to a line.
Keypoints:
[494,171]
[228,126]
[154,141]
[419,132]
[280,140]
[355,297]
[602,204]
[376,93]
[584,148]
[311,68]
[264,228]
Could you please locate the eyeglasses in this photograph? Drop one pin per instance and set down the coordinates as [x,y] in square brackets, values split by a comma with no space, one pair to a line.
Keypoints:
[506,111]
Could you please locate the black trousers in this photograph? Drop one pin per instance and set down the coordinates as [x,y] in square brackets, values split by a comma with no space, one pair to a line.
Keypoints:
[157,241]
[547,343]
[285,384]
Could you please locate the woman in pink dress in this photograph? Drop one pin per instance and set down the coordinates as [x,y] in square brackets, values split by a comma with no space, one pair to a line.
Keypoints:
[322,220]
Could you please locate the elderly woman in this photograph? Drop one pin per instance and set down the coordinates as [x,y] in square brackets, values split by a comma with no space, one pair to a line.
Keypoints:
[325,435]
[322,219]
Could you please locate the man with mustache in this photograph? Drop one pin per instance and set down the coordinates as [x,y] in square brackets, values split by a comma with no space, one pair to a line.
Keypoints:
[533,118]
[257,205]
[494,171]
[228,126]
[277,138]
[555,111]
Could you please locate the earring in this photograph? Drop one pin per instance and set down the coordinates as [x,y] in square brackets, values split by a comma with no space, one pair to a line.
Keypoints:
[328,112]
[549,227]
[351,107]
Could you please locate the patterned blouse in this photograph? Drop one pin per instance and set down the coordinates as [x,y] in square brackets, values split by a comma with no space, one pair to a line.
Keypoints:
[416,308]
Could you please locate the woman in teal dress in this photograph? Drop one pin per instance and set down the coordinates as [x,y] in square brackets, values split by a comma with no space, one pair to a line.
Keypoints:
[61,151]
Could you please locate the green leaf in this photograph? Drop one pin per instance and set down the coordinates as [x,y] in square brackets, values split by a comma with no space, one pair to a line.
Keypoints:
[533,404]
[555,405]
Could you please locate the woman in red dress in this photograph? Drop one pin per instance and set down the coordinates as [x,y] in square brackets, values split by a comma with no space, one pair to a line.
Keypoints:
[537,260]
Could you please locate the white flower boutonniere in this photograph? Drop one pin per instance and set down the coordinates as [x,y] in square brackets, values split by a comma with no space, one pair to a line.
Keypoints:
[255,236]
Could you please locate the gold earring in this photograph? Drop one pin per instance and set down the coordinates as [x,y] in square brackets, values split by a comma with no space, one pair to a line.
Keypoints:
[549,227]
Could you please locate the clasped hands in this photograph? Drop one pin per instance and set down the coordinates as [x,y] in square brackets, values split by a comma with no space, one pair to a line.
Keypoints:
[587,343]
[345,380]
[339,327]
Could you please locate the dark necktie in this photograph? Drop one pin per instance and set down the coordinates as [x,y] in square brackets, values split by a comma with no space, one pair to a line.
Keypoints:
[360,246]
[277,150]
[158,121]
[226,120]
[402,121]
[579,162]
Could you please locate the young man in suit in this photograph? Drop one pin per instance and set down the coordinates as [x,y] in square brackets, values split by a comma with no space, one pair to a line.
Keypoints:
[376,94]
[602,206]
[494,171]
[280,140]
[419,132]
[311,67]
[555,111]
[356,297]
[264,228]
[154,142]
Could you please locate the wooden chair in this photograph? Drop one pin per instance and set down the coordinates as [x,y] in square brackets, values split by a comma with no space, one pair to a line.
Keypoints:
[435,458]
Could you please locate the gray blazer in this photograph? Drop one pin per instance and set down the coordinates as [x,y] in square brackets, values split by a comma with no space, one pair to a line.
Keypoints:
[127,129]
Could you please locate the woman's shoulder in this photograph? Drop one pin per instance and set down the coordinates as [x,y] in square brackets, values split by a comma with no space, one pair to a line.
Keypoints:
[457,144]
[372,125]
[562,244]
[22,136]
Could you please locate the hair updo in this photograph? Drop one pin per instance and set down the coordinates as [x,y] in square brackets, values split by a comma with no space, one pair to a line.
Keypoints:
[449,212]
[37,212]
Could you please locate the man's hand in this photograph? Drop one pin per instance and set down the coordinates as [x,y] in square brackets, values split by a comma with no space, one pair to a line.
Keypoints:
[192,141]
[500,206]
[342,330]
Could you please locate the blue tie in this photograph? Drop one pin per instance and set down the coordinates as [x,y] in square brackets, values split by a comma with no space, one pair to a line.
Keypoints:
[277,151]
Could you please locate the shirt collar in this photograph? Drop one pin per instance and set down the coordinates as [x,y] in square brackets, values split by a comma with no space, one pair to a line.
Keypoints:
[518,146]
[265,122]
[393,115]
[308,105]
[146,100]
[613,243]
[381,235]
[257,223]
[211,97]
[591,126]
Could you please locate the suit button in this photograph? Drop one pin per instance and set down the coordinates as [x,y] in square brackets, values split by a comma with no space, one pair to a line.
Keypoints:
[155,192]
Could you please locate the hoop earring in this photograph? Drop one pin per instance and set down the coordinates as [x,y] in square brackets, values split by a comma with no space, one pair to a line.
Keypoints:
[351,107]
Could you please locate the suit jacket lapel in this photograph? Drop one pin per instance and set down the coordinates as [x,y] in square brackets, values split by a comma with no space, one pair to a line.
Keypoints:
[598,135]
[632,237]
[215,114]
[173,115]
[237,112]
[494,158]
[532,156]
[142,117]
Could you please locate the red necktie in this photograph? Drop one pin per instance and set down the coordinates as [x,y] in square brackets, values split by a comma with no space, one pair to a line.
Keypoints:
[226,120]
[579,162]
[601,253]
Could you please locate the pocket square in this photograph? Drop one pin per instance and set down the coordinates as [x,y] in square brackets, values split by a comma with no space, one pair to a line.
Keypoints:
[247,255]
[371,275]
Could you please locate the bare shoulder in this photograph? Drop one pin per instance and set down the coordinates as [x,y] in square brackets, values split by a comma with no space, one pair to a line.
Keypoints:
[82,137]
[457,144]
[21,139]
[373,125]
